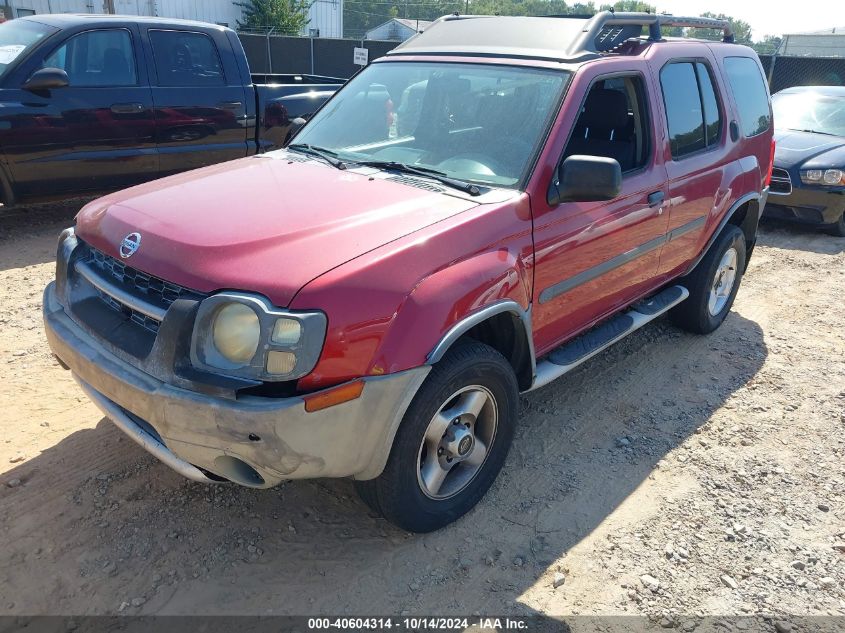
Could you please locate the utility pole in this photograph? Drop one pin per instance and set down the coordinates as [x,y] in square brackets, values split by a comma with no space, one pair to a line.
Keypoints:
[109,6]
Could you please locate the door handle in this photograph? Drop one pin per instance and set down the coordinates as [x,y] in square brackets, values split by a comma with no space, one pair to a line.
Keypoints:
[655,199]
[230,105]
[128,108]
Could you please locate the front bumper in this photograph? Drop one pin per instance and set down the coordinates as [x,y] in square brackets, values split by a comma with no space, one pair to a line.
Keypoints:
[806,205]
[253,441]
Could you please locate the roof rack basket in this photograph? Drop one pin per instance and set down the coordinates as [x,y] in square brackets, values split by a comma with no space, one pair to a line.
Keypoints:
[599,23]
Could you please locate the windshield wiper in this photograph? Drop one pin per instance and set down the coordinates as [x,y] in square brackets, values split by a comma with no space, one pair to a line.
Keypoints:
[427,172]
[814,132]
[320,152]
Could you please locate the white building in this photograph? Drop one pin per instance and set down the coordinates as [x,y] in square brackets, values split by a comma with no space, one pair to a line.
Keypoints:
[397,29]
[827,43]
[326,16]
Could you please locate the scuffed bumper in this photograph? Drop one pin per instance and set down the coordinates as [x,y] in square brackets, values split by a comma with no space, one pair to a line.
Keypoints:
[197,434]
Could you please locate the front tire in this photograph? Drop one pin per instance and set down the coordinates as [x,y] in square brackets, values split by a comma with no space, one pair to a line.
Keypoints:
[451,443]
[713,284]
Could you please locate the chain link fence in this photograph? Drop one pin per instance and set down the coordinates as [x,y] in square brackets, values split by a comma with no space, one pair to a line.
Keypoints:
[785,71]
[269,53]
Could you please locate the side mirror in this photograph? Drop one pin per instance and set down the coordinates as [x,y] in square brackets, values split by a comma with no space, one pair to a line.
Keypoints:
[47,79]
[586,179]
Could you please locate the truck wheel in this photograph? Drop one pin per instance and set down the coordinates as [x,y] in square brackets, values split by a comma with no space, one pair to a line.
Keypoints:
[837,228]
[713,284]
[451,443]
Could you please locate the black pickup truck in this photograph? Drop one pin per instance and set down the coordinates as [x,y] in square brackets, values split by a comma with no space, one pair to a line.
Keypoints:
[96,103]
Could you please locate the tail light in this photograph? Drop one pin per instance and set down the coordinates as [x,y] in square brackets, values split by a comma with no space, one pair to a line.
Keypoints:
[768,177]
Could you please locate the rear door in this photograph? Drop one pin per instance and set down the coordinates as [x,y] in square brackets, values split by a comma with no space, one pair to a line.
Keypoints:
[95,134]
[200,100]
[594,257]
[697,151]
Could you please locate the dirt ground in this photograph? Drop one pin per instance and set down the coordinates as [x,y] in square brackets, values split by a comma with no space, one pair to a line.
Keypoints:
[673,476]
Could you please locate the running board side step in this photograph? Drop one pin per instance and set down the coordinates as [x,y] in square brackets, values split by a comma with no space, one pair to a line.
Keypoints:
[568,356]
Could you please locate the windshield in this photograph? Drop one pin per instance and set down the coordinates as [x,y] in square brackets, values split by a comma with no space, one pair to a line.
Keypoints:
[18,37]
[478,123]
[810,111]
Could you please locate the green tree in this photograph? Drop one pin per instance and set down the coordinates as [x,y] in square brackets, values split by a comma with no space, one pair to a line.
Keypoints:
[768,45]
[630,5]
[286,16]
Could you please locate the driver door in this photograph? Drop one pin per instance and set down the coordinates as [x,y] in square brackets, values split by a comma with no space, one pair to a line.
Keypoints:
[593,258]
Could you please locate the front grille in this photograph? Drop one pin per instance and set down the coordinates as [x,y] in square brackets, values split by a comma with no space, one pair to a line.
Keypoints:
[160,292]
[781,182]
[148,289]
[147,322]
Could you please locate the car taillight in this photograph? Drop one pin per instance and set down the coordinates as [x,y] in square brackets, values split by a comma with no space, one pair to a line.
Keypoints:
[768,177]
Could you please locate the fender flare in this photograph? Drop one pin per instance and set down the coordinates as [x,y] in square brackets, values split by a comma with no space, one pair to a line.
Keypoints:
[760,199]
[468,322]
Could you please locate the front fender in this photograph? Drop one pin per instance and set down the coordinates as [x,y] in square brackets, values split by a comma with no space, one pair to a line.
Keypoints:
[388,309]
[445,299]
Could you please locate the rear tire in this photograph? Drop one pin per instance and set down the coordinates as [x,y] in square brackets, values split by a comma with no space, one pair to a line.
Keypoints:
[451,443]
[713,284]
[837,228]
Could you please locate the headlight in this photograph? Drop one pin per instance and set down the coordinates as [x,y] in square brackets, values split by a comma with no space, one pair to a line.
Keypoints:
[823,176]
[236,332]
[245,336]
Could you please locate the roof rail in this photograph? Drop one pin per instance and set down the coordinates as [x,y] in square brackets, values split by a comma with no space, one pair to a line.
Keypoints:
[570,40]
[608,19]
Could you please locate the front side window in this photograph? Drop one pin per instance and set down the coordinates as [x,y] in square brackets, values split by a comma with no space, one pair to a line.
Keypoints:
[479,123]
[692,108]
[613,123]
[186,58]
[17,38]
[750,94]
[97,58]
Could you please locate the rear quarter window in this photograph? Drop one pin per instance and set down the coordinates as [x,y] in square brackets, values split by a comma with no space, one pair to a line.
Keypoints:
[750,94]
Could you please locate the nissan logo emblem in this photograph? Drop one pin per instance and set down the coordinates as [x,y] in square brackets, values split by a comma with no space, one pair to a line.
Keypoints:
[130,244]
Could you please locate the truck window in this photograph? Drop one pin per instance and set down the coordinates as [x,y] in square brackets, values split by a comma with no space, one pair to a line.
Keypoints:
[692,109]
[186,58]
[613,123]
[712,117]
[752,99]
[17,37]
[97,58]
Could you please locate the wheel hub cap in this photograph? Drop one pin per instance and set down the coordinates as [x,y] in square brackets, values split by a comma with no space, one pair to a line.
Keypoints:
[456,442]
[460,443]
[723,282]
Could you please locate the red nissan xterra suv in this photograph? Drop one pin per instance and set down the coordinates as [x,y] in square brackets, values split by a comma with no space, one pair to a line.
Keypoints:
[471,217]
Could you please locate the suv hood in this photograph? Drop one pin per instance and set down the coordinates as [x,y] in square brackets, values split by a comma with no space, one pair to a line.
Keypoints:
[794,148]
[263,224]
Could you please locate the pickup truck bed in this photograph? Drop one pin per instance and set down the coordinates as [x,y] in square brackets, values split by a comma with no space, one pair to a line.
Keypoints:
[142,98]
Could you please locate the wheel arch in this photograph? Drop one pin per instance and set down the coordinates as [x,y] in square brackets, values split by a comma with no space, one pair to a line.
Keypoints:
[744,213]
[506,327]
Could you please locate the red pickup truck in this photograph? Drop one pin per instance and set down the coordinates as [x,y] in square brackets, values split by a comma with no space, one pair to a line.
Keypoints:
[471,217]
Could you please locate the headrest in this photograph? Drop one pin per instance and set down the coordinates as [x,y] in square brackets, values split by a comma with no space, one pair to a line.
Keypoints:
[605,109]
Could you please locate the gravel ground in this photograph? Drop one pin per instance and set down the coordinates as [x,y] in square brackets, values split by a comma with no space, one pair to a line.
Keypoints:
[673,476]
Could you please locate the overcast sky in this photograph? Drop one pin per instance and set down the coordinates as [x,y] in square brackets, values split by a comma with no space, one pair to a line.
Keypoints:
[766,17]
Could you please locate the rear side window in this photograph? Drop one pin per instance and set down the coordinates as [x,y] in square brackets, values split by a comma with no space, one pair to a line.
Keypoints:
[750,95]
[692,108]
[186,58]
